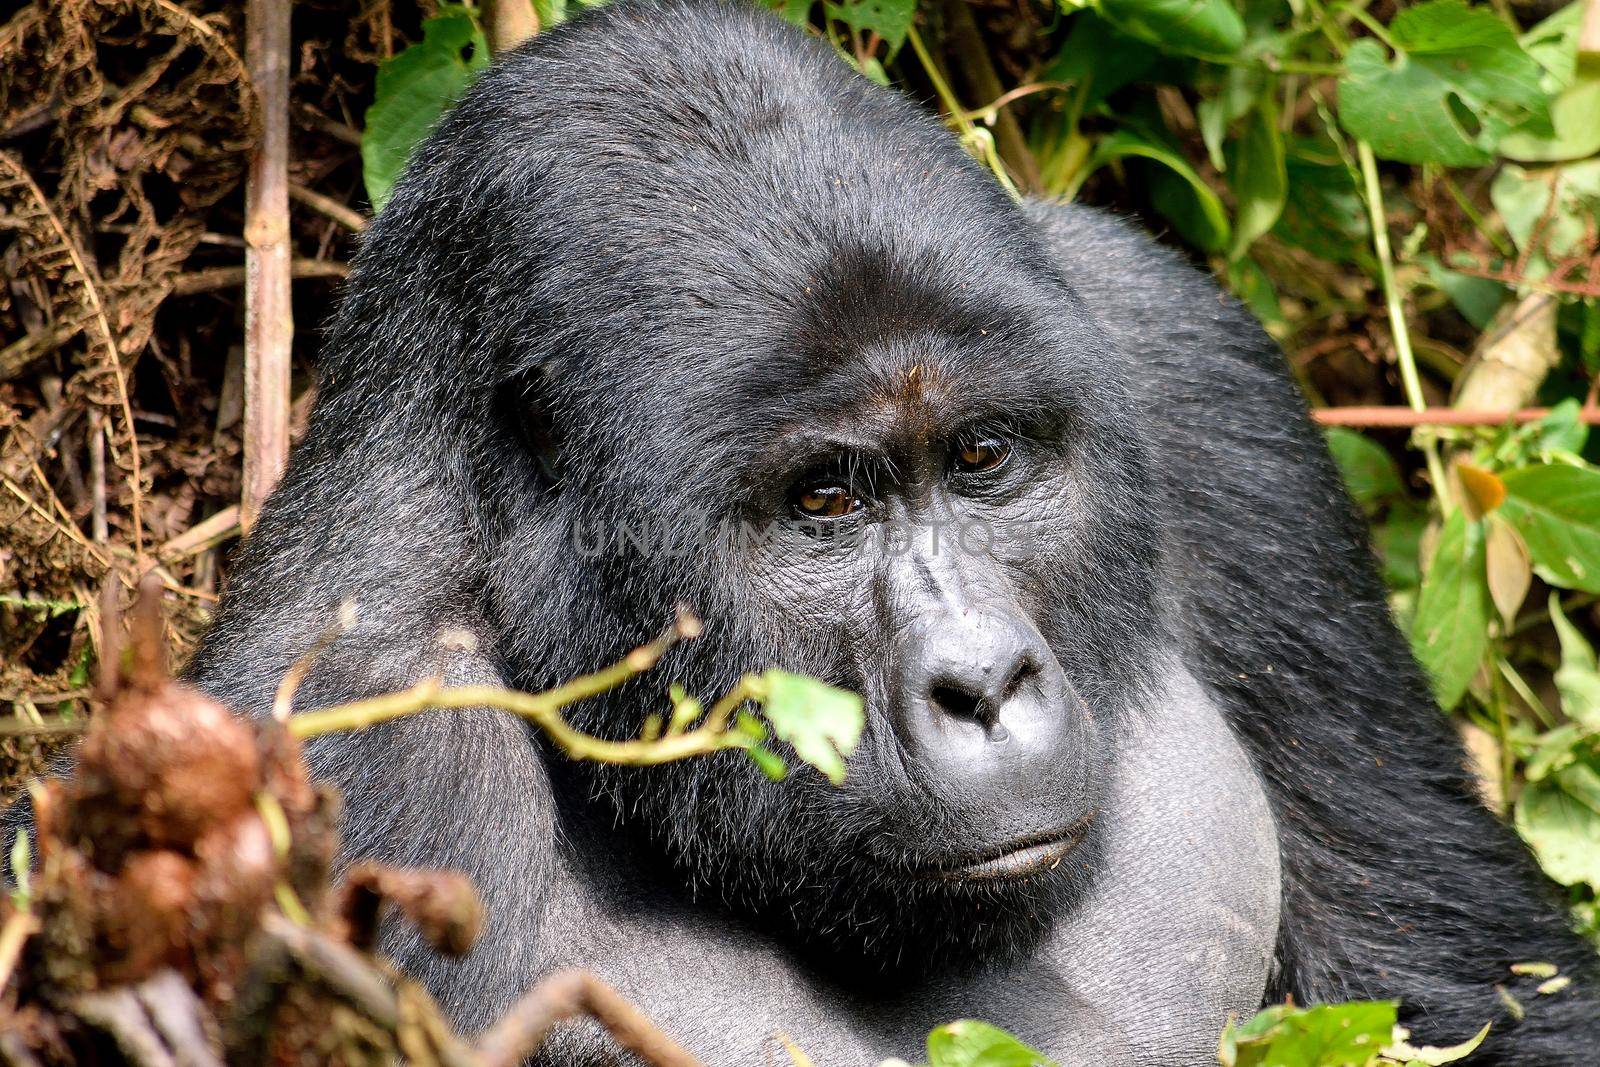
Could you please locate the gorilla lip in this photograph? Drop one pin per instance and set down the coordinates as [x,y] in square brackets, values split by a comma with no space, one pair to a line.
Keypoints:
[1022,858]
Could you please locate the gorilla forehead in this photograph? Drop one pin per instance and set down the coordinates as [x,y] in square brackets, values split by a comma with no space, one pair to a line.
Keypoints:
[776,243]
[784,195]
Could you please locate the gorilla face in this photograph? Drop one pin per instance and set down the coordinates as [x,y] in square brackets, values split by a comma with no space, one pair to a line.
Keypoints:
[840,402]
[937,518]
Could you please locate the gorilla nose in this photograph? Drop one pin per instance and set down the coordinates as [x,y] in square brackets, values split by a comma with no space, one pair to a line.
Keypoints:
[975,691]
[989,729]
[978,688]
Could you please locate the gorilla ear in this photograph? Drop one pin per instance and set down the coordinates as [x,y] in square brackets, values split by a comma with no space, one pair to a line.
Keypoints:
[524,404]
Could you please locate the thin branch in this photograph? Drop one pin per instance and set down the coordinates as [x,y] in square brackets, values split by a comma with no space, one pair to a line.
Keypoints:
[1410,417]
[509,22]
[568,994]
[19,926]
[214,278]
[269,312]
[343,214]
[71,531]
[207,533]
[544,709]
[1397,316]
[989,112]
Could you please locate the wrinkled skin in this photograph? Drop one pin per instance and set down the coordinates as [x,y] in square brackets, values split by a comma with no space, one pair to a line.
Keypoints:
[1145,750]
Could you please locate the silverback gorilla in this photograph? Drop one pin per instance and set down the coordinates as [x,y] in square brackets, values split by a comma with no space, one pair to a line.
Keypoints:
[1143,744]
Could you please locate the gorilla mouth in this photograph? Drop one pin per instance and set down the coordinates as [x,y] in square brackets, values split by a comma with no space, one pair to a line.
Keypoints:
[1017,860]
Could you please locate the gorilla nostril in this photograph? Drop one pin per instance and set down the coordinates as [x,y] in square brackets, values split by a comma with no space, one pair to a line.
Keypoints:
[1026,671]
[959,702]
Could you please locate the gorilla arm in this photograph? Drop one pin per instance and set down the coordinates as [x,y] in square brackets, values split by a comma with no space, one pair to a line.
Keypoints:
[1396,881]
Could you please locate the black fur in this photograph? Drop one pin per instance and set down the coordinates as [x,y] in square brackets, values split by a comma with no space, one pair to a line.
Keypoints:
[640,250]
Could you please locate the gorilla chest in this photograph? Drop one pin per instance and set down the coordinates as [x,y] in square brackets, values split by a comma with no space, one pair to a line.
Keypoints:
[1177,931]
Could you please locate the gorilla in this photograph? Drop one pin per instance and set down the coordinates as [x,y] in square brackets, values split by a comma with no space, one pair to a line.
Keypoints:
[1143,744]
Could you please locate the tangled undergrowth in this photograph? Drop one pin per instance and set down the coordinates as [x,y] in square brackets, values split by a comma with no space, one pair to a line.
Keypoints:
[180,909]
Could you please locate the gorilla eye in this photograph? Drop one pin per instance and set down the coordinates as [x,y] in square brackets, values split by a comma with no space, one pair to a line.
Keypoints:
[828,500]
[981,455]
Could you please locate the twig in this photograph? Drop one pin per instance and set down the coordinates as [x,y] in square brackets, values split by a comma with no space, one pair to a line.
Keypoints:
[55,726]
[989,111]
[1397,316]
[47,698]
[283,696]
[544,709]
[1405,417]
[571,993]
[118,1014]
[343,970]
[337,966]
[177,1015]
[509,22]
[20,926]
[978,141]
[98,528]
[269,314]
[213,278]
[208,533]
[344,215]
[72,532]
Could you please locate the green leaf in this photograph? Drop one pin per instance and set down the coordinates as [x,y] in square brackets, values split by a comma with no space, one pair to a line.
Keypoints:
[1178,192]
[1326,215]
[1476,298]
[1559,817]
[820,722]
[1429,1056]
[1329,1035]
[413,90]
[1192,213]
[1458,84]
[1573,131]
[890,19]
[1556,508]
[968,1043]
[1399,544]
[1099,59]
[1237,90]
[1254,288]
[1578,677]
[1555,749]
[1562,431]
[795,11]
[1370,472]
[1258,178]
[1188,27]
[550,12]
[1450,633]
[1544,230]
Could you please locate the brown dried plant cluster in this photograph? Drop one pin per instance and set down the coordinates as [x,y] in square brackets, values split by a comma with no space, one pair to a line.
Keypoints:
[180,911]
